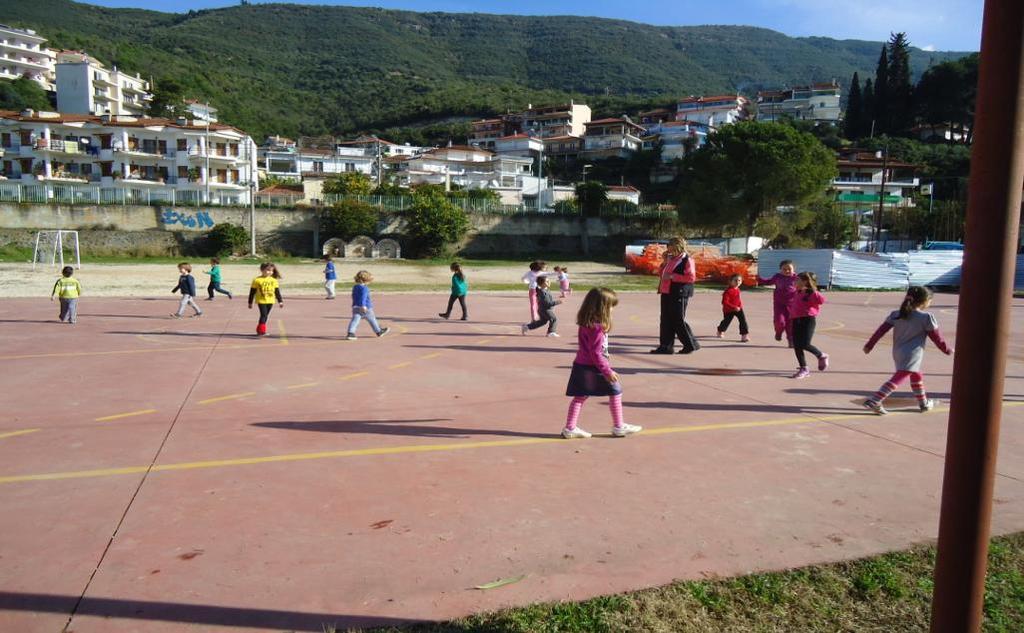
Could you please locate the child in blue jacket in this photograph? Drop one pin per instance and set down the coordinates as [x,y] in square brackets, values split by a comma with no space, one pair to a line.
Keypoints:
[187,286]
[362,306]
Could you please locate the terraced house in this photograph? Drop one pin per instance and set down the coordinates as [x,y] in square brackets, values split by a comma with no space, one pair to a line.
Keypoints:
[124,158]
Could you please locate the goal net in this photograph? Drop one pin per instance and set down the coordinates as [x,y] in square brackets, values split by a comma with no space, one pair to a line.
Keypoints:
[53,246]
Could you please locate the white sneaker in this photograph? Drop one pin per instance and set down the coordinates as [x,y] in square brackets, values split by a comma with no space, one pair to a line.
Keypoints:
[626,429]
[575,434]
[926,406]
[524,329]
[553,335]
[877,407]
[350,337]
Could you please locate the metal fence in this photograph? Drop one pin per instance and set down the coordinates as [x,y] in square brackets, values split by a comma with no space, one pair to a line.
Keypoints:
[53,193]
[852,269]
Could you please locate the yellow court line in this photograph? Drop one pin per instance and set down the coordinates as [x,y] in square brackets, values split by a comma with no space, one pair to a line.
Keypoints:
[434,355]
[432,448]
[355,375]
[486,340]
[284,333]
[233,396]
[840,325]
[400,365]
[304,385]
[17,433]
[130,414]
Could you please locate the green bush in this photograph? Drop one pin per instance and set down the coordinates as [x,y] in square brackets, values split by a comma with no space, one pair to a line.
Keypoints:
[350,218]
[227,239]
[435,223]
[351,183]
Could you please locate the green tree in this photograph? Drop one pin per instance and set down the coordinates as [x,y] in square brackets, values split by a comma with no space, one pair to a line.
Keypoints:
[435,223]
[349,218]
[590,197]
[227,239]
[351,183]
[749,169]
[168,99]
[899,90]
[389,189]
[23,93]
[868,109]
[832,227]
[944,97]
[880,103]
[853,123]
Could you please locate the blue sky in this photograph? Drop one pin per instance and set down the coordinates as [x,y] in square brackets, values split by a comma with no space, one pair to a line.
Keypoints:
[930,24]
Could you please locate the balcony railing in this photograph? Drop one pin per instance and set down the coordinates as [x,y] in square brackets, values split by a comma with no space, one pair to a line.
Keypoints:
[84,194]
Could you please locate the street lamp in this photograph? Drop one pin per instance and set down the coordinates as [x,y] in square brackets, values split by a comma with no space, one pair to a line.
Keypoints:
[252,214]
[585,168]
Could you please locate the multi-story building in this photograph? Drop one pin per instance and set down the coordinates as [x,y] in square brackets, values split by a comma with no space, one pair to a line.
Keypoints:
[200,111]
[859,182]
[469,168]
[195,160]
[714,111]
[816,102]
[611,138]
[567,119]
[85,86]
[676,138]
[565,148]
[22,54]
[283,158]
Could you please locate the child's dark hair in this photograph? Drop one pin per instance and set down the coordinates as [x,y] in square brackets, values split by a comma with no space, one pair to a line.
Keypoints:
[564,269]
[537,265]
[916,297]
[215,261]
[363,277]
[542,281]
[738,278]
[187,267]
[327,257]
[265,266]
[67,271]
[456,268]
[810,280]
[785,262]
[597,308]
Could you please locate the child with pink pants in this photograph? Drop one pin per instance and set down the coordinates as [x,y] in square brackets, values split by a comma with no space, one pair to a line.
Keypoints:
[785,288]
[537,269]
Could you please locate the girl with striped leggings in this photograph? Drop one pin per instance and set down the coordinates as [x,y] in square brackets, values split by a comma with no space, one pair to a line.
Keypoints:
[910,325]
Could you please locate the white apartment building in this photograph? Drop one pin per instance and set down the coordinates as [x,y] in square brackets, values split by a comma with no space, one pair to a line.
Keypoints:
[283,158]
[816,102]
[470,168]
[860,181]
[675,137]
[85,86]
[611,138]
[713,111]
[200,111]
[22,54]
[191,159]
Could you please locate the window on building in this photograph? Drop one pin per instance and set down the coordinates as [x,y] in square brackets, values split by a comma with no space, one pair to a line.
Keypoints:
[318,166]
[182,144]
[183,172]
[350,166]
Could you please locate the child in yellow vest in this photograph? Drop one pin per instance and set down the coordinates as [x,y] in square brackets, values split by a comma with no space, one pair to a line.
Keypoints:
[67,289]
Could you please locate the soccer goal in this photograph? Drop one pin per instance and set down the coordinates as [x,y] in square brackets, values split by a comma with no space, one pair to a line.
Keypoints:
[51,245]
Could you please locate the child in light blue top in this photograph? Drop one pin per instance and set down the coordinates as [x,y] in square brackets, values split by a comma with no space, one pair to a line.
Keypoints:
[330,276]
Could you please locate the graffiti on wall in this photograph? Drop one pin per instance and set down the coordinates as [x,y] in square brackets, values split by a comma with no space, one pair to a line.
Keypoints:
[199,219]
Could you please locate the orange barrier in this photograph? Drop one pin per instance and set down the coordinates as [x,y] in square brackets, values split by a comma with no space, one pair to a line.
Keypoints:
[711,264]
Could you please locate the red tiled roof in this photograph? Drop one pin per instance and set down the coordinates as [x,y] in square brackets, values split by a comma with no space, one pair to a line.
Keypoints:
[712,98]
[603,121]
[278,190]
[564,137]
[515,136]
[627,188]
[113,122]
[460,148]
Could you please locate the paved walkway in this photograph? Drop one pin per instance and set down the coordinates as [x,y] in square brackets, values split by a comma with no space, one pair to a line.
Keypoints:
[157,473]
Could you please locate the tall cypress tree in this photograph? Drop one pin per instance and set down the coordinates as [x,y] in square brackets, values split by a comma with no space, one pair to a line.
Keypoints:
[868,98]
[880,109]
[899,89]
[853,125]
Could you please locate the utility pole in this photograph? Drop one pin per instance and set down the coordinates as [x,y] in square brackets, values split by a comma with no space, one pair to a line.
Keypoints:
[983,323]
[881,198]
[378,162]
[207,149]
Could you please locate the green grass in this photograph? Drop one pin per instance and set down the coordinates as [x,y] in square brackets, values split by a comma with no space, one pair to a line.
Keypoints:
[890,593]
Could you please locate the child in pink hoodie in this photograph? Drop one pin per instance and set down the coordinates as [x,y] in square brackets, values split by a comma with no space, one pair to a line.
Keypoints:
[785,287]
[592,375]
[803,310]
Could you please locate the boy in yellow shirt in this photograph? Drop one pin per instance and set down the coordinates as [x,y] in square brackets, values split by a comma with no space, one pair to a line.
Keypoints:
[67,289]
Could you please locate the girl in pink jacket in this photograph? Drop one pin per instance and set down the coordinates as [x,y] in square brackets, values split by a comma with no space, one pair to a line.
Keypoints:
[592,375]
[803,310]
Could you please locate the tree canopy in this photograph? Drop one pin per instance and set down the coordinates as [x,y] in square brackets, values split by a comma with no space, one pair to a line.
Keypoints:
[749,169]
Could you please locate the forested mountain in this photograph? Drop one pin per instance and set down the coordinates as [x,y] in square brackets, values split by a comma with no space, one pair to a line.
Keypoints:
[295,69]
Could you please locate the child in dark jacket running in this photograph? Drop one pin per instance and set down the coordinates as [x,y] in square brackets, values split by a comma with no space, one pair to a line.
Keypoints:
[187,286]
[546,308]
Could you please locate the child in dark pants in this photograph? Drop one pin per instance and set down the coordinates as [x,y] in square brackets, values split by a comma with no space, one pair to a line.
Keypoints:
[732,306]
[546,307]
[264,291]
[803,312]
[459,288]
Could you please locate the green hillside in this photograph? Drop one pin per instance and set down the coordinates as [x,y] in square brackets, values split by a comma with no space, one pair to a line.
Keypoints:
[295,69]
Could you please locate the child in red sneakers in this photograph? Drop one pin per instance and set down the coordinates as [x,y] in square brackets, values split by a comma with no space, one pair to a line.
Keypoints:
[910,325]
[732,307]
[264,291]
